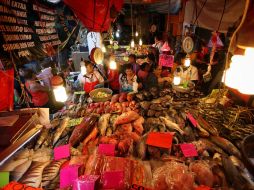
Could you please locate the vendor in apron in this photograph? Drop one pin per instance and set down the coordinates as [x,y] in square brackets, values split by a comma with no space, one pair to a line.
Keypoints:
[92,79]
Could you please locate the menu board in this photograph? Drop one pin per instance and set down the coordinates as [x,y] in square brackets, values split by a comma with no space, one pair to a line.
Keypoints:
[45,26]
[16,33]
[31,29]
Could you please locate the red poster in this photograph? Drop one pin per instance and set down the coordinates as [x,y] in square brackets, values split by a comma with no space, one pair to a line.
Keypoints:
[7,89]
[166,60]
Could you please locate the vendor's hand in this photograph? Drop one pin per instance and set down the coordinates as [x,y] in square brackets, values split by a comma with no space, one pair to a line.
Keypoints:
[167,79]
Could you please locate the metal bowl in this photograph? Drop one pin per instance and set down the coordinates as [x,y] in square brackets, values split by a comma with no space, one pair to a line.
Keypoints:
[93,94]
[248,152]
[180,88]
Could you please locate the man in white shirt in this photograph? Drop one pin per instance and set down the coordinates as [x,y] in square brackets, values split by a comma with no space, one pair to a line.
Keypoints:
[46,74]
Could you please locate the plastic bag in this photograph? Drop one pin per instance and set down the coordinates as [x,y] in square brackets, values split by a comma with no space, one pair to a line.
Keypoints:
[203,173]
[173,176]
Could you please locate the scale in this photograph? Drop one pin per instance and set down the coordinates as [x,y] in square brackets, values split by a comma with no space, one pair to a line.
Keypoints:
[188,44]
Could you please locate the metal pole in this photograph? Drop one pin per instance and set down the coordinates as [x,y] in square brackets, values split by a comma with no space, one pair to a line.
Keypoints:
[131,21]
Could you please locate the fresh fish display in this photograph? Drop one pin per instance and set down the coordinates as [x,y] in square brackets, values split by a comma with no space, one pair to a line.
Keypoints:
[33,176]
[51,172]
[60,129]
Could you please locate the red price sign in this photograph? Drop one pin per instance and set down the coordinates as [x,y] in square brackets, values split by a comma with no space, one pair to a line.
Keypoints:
[192,120]
[166,60]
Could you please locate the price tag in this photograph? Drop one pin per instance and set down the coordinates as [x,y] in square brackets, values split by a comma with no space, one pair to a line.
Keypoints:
[202,187]
[107,149]
[192,120]
[62,152]
[163,140]
[189,150]
[68,174]
[4,178]
[166,60]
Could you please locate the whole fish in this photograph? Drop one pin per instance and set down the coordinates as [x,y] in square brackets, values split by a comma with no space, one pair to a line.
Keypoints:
[233,176]
[91,136]
[202,132]
[211,147]
[20,170]
[51,172]
[42,138]
[33,175]
[103,123]
[226,145]
[189,134]
[54,184]
[18,159]
[211,129]
[83,129]
[171,125]
[141,147]
[42,155]
[60,129]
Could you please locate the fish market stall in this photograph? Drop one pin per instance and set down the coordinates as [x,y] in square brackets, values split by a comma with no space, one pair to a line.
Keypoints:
[157,139]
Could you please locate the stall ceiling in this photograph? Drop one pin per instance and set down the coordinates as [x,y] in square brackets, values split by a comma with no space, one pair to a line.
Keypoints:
[160,6]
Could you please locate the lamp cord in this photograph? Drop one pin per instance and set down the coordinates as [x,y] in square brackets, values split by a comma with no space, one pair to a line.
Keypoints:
[200,12]
[131,20]
[223,11]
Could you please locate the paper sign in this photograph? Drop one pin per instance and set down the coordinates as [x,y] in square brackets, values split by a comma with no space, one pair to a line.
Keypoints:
[166,60]
[113,179]
[202,187]
[163,140]
[4,178]
[192,120]
[86,182]
[189,150]
[62,152]
[67,175]
[107,149]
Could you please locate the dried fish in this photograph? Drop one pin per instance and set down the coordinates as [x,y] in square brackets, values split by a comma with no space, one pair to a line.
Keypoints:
[226,145]
[171,125]
[103,123]
[33,176]
[54,184]
[42,155]
[42,138]
[51,172]
[19,171]
[19,158]
[60,129]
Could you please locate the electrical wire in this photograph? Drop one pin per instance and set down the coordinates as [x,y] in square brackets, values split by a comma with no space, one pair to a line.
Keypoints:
[200,12]
[224,8]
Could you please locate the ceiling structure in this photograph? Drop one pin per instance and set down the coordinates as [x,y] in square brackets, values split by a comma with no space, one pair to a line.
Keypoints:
[160,6]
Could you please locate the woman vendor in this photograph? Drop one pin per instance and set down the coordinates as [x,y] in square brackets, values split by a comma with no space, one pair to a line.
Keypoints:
[92,78]
[155,79]
[38,92]
[128,80]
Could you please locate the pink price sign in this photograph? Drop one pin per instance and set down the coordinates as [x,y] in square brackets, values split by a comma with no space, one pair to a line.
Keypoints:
[189,150]
[166,60]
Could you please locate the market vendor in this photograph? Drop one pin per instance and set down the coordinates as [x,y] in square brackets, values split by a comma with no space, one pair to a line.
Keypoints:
[92,78]
[132,61]
[39,93]
[189,73]
[155,78]
[128,80]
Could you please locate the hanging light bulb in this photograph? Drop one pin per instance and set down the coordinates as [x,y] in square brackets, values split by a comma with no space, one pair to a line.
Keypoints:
[112,65]
[111,41]
[103,48]
[177,80]
[132,43]
[136,33]
[117,34]
[83,70]
[140,42]
[187,62]
[60,93]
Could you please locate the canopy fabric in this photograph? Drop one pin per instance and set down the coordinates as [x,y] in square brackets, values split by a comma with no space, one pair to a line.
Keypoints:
[95,14]
[210,15]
